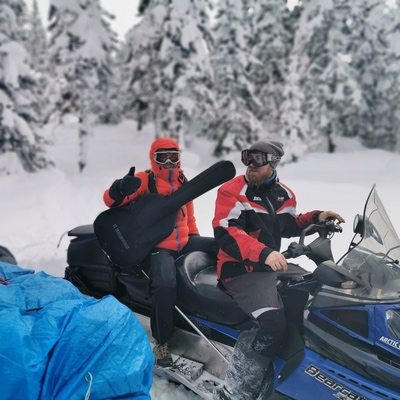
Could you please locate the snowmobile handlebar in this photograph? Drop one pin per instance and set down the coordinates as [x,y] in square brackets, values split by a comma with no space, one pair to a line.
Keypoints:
[325,229]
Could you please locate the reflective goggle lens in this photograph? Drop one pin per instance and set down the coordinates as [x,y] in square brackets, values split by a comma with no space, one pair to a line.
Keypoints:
[258,158]
[164,157]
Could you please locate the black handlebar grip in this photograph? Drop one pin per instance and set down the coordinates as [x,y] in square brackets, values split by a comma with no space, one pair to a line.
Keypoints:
[286,254]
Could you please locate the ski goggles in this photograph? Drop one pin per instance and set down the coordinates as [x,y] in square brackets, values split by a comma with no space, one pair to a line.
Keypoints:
[167,156]
[258,158]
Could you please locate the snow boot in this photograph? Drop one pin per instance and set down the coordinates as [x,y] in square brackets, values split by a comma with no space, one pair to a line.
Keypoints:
[246,370]
[163,355]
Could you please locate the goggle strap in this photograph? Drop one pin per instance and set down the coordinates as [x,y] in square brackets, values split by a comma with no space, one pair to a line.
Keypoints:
[167,152]
[273,158]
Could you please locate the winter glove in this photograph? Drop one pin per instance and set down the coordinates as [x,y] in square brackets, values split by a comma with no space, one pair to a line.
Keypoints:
[124,187]
[129,184]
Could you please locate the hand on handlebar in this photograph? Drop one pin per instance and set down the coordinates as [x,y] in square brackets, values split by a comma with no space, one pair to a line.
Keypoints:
[276,261]
[330,215]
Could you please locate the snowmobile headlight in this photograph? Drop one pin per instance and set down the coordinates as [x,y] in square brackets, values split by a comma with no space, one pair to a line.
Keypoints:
[348,285]
[358,224]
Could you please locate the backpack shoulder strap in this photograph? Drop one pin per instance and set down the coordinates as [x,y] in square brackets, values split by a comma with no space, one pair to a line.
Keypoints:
[182,178]
[152,181]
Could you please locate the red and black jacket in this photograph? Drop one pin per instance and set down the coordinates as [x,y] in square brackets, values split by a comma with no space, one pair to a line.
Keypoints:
[249,224]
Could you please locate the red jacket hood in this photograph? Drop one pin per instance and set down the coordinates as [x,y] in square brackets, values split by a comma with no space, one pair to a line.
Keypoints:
[163,143]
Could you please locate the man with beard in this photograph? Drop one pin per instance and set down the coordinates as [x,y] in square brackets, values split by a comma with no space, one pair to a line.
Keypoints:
[252,214]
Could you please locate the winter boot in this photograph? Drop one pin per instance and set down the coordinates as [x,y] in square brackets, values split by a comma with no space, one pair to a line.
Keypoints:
[163,355]
[246,370]
[224,394]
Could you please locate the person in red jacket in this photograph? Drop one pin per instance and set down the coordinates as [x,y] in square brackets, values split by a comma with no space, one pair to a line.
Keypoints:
[164,178]
[252,214]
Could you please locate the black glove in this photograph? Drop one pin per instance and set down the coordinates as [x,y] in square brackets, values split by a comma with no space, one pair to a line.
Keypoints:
[124,187]
[129,185]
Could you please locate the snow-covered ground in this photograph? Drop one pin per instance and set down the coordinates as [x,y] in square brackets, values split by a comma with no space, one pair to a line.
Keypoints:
[37,209]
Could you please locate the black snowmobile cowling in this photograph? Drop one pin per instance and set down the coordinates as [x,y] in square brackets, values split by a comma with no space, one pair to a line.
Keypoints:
[127,234]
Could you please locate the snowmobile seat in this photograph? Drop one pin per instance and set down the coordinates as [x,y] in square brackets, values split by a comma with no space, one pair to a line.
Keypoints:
[88,262]
[199,293]
[82,230]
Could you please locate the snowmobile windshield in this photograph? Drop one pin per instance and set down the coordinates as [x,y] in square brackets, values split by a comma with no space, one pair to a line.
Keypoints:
[376,258]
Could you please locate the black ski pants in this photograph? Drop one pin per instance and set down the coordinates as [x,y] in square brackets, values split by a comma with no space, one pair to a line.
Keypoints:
[257,296]
[162,271]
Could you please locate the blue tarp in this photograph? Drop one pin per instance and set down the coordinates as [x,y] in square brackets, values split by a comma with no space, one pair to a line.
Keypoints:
[57,344]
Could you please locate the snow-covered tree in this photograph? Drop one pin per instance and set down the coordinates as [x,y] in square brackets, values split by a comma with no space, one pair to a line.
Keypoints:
[294,124]
[203,10]
[344,75]
[188,68]
[375,35]
[167,70]
[392,119]
[81,46]
[235,123]
[106,107]
[269,42]
[37,48]
[19,139]
[37,40]
[323,97]
[110,108]
[141,69]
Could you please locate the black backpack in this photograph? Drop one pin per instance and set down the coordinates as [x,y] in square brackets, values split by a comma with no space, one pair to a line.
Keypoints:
[6,256]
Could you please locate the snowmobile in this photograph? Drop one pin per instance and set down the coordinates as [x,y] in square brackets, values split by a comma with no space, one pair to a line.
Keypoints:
[343,336]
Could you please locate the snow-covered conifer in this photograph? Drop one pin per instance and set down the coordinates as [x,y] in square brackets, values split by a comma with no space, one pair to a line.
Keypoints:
[235,123]
[322,97]
[392,87]
[37,48]
[141,68]
[375,57]
[19,141]
[37,40]
[81,46]
[270,43]
[166,71]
